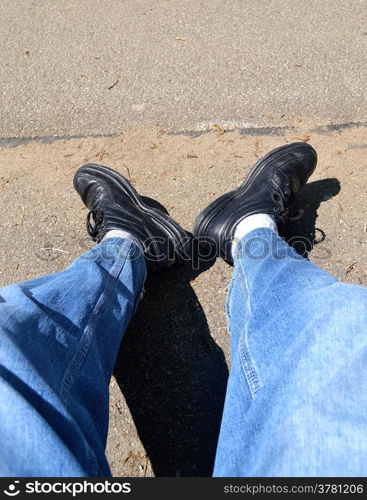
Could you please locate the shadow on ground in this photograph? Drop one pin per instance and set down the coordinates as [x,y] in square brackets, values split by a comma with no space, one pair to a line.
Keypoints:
[173,375]
[171,372]
[303,234]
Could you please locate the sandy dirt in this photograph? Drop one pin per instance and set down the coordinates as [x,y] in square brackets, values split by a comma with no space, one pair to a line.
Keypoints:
[169,383]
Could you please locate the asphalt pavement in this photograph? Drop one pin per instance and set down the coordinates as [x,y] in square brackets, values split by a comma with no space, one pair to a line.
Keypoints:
[99,67]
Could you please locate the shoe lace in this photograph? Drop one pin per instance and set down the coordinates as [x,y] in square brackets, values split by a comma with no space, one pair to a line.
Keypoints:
[283,199]
[95,219]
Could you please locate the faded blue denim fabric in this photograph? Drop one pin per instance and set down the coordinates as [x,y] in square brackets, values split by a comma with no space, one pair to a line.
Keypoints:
[59,338]
[296,402]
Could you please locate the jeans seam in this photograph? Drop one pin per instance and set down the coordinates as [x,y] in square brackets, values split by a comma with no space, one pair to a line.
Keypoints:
[247,362]
[227,306]
[248,366]
[88,332]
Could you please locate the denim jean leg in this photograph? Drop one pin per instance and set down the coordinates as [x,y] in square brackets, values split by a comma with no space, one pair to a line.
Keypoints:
[59,338]
[296,403]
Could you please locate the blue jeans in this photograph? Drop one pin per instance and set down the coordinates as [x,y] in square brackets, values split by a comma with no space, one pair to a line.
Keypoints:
[59,339]
[296,398]
[296,402]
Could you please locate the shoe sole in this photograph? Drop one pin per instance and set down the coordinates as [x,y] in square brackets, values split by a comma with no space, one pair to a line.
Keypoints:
[209,213]
[173,228]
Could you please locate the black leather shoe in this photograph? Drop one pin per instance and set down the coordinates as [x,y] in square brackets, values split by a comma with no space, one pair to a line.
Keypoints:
[268,189]
[114,204]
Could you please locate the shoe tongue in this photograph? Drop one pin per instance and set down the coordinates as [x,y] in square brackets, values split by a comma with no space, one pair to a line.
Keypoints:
[284,182]
[296,184]
[96,195]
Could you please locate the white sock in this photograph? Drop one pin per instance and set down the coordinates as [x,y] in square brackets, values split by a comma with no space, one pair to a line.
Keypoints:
[119,233]
[250,223]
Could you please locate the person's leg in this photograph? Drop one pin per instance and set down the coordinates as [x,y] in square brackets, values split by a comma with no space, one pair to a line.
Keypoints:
[59,337]
[296,402]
